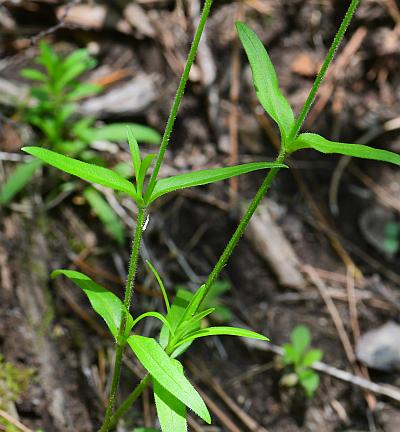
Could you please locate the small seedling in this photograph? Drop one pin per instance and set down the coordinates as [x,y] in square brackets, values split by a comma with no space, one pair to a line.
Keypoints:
[298,358]
[173,392]
[52,110]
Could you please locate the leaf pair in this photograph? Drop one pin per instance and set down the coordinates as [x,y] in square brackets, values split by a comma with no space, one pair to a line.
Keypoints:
[276,105]
[106,177]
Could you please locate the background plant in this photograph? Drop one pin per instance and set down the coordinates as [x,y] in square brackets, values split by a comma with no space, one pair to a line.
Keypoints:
[298,358]
[172,390]
[52,109]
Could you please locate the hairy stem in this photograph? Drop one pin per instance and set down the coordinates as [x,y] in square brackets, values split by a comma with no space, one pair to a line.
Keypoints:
[321,75]
[178,96]
[126,404]
[243,223]
[121,339]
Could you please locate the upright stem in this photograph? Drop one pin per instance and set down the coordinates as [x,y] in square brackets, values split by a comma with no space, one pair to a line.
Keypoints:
[243,223]
[178,96]
[121,339]
[321,75]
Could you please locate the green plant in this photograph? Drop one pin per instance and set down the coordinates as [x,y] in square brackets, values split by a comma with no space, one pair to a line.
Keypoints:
[52,109]
[298,358]
[181,322]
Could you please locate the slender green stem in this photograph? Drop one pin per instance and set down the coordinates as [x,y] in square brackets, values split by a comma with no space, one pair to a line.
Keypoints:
[321,75]
[121,339]
[178,97]
[126,404]
[243,223]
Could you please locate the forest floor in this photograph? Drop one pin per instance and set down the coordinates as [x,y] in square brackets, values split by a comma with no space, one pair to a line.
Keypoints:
[329,266]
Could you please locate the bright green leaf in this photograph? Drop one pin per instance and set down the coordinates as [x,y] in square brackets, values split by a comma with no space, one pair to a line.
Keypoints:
[317,142]
[222,331]
[144,166]
[203,177]
[153,315]
[85,171]
[104,302]
[163,369]
[312,356]
[135,152]
[265,80]
[83,90]
[161,285]
[309,381]
[171,412]
[301,338]
[18,180]
[117,132]
[290,355]
[106,214]
[33,74]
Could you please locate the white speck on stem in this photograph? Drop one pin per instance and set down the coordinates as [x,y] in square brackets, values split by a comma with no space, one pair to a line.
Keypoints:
[146,223]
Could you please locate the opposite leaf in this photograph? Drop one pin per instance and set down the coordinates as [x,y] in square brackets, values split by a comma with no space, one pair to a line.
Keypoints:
[321,144]
[265,80]
[104,302]
[117,132]
[163,369]
[171,411]
[18,180]
[199,178]
[222,331]
[89,172]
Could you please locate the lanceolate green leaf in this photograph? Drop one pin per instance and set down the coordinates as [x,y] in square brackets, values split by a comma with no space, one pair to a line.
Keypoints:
[265,80]
[171,411]
[85,171]
[106,214]
[163,369]
[198,178]
[153,315]
[18,180]
[135,152]
[104,302]
[221,331]
[117,132]
[317,142]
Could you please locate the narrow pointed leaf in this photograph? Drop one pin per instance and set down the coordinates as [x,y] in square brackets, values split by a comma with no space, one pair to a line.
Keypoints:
[171,412]
[106,214]
[163,369]
[222,331]
[321,144]
[85,171]
[18,180]
[117,132]
[104,302]
[198,178]
[33,74]
[161,285]
[144,166]
[265,80]
[153,315]
[135,152]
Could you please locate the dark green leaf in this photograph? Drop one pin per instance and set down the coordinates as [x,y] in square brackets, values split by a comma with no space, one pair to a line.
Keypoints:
[117,132]
[18,180]
[163,369]
[171,412]
[85,171]
[265,80]
[198,178]
[104,302]
[317,142]
[106,214]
